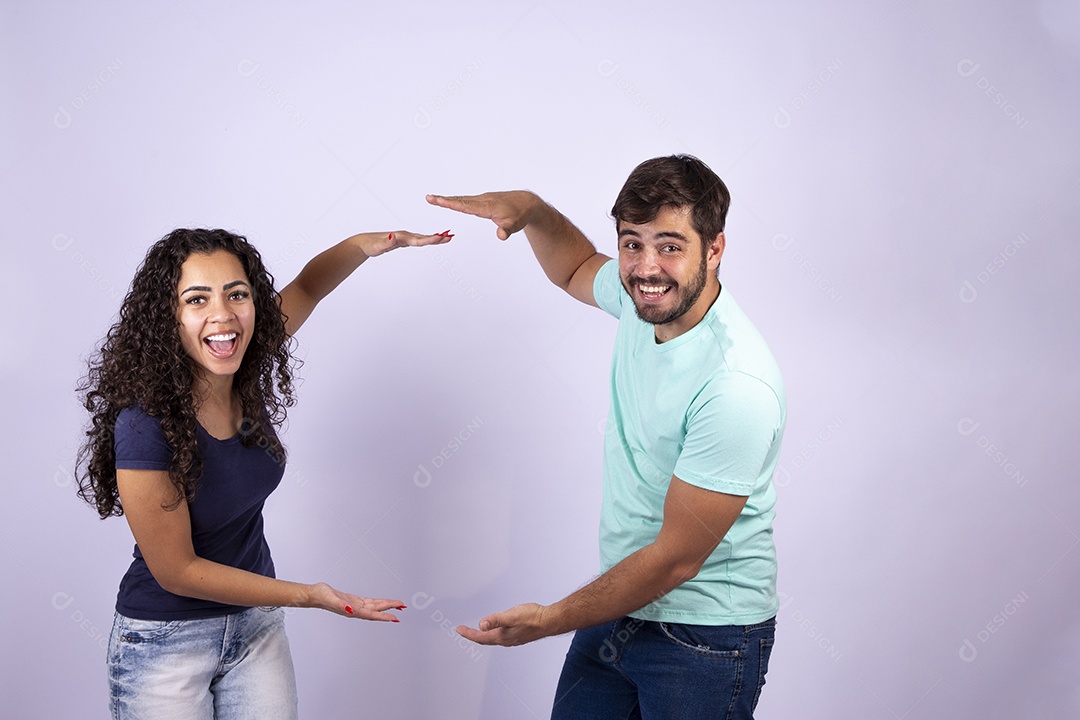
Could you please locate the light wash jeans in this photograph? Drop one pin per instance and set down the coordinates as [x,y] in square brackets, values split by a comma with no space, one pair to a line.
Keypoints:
[234,667]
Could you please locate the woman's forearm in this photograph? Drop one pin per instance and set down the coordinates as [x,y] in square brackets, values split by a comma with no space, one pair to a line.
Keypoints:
[320,276]
[328,269]
[207,580]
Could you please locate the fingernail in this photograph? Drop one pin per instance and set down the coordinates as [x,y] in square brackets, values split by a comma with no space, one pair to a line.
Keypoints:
[395,620]
[401,607]
[390,236]
[348,609]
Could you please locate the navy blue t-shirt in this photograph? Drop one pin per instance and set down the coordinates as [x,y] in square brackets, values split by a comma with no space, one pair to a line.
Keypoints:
[226,514]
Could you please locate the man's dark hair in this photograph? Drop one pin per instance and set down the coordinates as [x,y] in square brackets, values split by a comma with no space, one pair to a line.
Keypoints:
[675,181]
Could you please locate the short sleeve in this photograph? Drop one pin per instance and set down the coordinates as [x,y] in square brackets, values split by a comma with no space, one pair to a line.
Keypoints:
[139,442]
[731,430]
[607,288]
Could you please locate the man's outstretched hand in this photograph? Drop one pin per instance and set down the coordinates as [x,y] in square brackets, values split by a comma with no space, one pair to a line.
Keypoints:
[516,626]
[511,211]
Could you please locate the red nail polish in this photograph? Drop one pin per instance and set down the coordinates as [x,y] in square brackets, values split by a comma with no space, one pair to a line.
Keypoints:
[348,609]
[390,236]
[395,620]
[401,607]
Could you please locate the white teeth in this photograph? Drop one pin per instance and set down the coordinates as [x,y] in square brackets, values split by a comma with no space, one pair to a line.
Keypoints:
[222,337]
[653,288]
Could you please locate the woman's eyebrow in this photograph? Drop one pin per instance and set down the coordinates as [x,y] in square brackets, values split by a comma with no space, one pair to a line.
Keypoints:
[205,288]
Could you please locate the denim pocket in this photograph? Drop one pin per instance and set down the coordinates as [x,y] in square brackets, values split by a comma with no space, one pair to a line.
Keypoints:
[146,631]
[764,652]
[706,640]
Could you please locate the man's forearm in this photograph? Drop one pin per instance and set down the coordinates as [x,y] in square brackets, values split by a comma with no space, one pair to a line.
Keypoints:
[695,522]
[638,580]
[558,245]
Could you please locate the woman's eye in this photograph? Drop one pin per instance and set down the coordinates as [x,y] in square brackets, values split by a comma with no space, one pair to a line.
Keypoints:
[196,300]
[239,295]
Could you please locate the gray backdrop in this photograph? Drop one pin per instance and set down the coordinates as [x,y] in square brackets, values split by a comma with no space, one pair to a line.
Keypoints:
[903,232]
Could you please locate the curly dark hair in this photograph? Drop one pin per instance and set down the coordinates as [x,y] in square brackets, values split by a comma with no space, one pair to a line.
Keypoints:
[141,362]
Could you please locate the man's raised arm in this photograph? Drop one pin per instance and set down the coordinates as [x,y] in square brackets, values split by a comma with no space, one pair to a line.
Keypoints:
[566,255]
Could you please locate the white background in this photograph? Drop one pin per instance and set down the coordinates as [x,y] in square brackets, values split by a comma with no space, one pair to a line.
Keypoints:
[903,232]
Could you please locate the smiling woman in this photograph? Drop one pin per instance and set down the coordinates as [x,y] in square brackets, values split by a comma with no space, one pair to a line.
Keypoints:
[148,359]
[216,311]
[185,396]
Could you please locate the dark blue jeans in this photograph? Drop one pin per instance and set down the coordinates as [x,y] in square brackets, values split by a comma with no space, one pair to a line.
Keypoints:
[632,668]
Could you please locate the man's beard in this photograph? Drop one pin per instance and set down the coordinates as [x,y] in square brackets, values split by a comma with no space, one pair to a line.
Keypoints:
[656,315]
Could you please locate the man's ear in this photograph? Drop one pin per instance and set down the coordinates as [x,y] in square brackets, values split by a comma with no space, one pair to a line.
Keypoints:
[715,251]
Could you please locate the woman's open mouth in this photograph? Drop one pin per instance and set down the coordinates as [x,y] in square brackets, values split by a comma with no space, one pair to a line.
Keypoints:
[222,345]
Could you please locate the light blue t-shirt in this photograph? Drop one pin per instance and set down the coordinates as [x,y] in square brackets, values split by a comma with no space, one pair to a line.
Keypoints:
[707,407]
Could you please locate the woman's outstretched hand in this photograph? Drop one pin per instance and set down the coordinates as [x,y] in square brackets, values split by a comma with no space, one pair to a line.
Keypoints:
[375,244]
[349,605]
